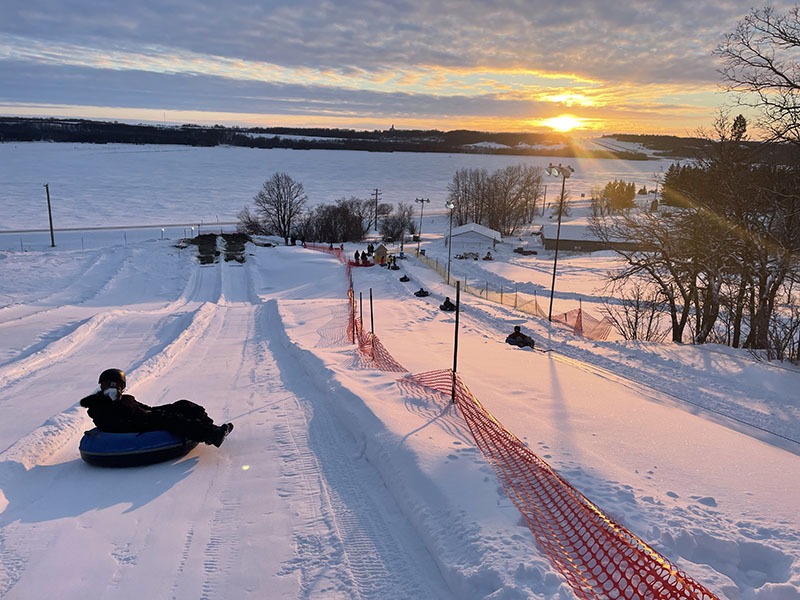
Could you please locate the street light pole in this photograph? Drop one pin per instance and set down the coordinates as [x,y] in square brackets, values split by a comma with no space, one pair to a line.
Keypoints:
[450,206]
[562,172]
[422,201]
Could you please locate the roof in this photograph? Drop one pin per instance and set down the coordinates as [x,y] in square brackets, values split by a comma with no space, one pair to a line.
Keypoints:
[480,229]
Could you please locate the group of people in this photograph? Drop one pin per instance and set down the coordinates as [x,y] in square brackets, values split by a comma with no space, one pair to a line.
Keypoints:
[363,256]
[391,262]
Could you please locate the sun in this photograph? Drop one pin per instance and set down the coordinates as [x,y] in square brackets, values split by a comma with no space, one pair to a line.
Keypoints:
[563,123]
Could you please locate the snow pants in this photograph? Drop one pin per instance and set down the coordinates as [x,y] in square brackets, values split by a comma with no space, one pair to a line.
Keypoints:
[183,418]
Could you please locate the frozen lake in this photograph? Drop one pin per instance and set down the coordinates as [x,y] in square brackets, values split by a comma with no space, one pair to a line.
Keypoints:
[123,185]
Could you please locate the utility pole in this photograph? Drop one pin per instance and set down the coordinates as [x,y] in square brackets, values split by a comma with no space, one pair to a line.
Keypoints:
[377,194]
[50,215]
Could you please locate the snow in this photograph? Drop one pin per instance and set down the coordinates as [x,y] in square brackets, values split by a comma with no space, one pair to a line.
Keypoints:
[337,482]
[615,145]
[102,185]
[491,145]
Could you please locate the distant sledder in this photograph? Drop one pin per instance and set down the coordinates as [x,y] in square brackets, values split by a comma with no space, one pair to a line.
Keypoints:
[422,293]
[517,338]
[447,305]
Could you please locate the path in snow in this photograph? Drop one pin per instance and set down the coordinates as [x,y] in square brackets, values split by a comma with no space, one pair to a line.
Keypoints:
[213,525]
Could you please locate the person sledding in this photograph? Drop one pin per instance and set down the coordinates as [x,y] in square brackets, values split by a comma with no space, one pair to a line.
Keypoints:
[421,293]
[517,338]
[115,412]
[404,278]
[447,305]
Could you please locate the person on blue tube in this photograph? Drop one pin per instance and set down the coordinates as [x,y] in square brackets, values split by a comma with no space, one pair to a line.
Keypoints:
[115,412]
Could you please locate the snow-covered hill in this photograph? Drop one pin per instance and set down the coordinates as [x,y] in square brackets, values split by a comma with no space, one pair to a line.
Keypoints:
[337,482]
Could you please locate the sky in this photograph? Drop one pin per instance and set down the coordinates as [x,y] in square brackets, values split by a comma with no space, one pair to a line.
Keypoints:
[592,66]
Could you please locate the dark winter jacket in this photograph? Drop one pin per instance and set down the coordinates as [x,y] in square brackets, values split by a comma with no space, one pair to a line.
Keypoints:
[124,415]
[518,338]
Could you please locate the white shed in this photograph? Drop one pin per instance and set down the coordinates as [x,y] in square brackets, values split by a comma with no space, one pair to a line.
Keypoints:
[474,238]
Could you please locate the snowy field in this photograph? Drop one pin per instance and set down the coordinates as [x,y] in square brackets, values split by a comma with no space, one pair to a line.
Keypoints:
[95,185]
[337,482]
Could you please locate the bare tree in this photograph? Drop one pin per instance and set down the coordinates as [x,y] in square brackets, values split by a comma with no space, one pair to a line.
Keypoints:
[395,226]
[731,245]
[250,223]
[637,312]
[348,220]
[504,200]
[280,203]
[761,65]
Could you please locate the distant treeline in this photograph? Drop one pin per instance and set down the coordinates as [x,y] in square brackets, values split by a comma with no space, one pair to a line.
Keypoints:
[390,140]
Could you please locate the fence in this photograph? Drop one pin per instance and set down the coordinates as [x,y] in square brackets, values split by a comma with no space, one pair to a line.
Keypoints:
[598,557]
[578,320]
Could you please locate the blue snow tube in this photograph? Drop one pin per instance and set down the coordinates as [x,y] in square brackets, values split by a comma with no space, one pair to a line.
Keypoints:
[104,449]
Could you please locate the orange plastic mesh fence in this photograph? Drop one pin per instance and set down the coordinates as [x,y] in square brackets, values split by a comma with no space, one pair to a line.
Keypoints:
[582,323]
[368,343]
[598,557]
[337,252]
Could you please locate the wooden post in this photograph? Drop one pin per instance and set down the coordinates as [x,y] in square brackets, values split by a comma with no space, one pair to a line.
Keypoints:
[351,299]
[50,216]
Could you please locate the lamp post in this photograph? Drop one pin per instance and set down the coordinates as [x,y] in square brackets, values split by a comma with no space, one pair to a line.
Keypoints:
[450,207]
[562,172]
[422,201]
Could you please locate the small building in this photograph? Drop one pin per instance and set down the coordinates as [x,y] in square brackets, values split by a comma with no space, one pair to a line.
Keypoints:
[380,253]
[474,238]
[578,238]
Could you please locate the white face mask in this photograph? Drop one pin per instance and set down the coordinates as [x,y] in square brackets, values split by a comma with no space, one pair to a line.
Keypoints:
[111,393]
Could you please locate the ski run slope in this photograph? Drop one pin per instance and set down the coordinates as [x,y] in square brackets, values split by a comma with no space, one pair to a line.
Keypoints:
[337,482]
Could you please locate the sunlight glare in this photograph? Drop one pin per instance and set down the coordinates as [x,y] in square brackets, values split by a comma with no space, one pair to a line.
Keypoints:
[562,123]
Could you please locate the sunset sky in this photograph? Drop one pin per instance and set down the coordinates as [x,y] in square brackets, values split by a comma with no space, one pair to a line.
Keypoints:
[594,66]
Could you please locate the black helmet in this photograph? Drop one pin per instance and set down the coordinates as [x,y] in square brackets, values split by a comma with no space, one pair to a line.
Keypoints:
[115,376]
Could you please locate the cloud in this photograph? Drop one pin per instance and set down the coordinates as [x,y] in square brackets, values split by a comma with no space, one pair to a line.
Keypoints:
[410,57]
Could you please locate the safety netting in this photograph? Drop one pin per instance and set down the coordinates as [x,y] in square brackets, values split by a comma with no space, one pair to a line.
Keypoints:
[369,345]
[336,251]
[584,324]
[597,556]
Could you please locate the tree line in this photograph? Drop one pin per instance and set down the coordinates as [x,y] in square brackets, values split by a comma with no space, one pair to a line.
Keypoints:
[503,200]
[279,208]
[722,256]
